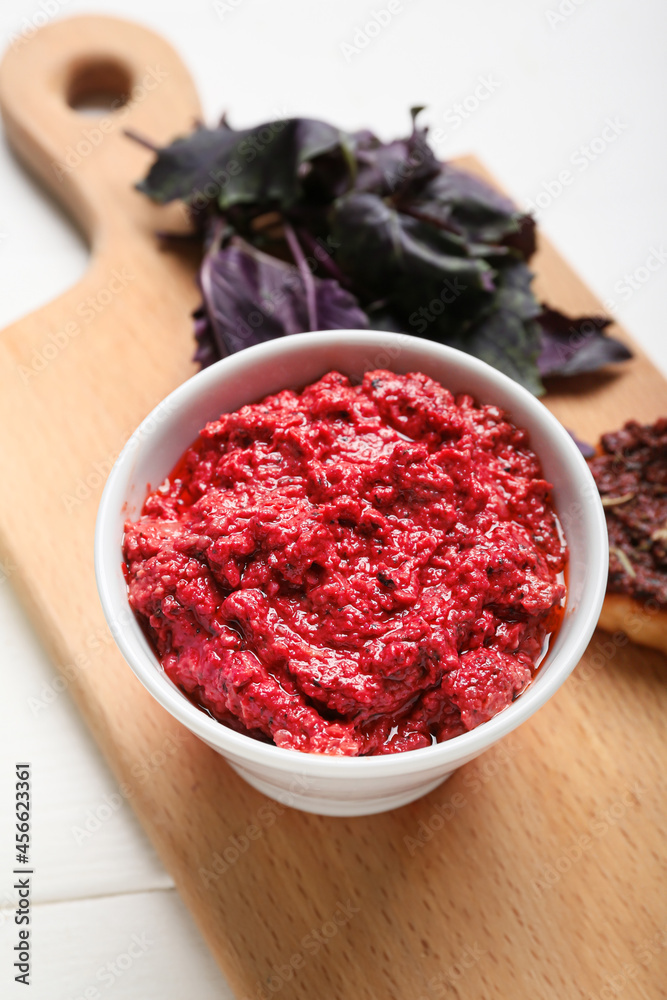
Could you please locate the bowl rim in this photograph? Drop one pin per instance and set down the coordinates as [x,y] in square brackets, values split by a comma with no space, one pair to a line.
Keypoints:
[241,748]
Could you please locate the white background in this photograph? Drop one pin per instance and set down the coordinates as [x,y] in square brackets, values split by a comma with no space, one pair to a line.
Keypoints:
[553,80]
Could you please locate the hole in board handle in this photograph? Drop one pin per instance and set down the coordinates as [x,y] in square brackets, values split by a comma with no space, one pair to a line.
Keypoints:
[98,87]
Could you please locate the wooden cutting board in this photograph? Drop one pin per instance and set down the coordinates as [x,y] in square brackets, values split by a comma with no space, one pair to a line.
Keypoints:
[535,871]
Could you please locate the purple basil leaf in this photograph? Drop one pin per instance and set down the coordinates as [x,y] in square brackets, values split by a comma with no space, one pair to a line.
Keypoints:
[250,297]
[427,247]
[386,168]
[458,200]
[572,346]
[263,166]
[379,246]
[208,350]
[587,450]
[506,334]
[426,278]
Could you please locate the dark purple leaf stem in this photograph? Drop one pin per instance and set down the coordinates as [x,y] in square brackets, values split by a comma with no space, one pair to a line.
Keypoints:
[306,274]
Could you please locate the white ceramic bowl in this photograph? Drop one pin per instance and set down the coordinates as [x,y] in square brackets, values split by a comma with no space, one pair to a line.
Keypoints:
[343,786]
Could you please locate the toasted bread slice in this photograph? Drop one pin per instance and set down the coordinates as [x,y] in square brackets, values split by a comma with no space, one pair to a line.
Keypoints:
[630,470]
[642,623]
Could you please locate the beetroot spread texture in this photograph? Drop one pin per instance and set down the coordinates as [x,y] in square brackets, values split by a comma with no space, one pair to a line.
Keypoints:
[351,569]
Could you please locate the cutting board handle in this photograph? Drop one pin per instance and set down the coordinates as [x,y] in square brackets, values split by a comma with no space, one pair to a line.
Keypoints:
[86,159]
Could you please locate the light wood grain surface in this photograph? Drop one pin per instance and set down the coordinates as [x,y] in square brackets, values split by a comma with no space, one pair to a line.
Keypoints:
[97,878]
[537,870]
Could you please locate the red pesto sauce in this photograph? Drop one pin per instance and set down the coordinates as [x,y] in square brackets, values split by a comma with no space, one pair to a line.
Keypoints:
[351,569]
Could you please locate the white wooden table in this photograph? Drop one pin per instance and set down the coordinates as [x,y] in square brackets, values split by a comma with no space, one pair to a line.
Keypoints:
[535,88]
